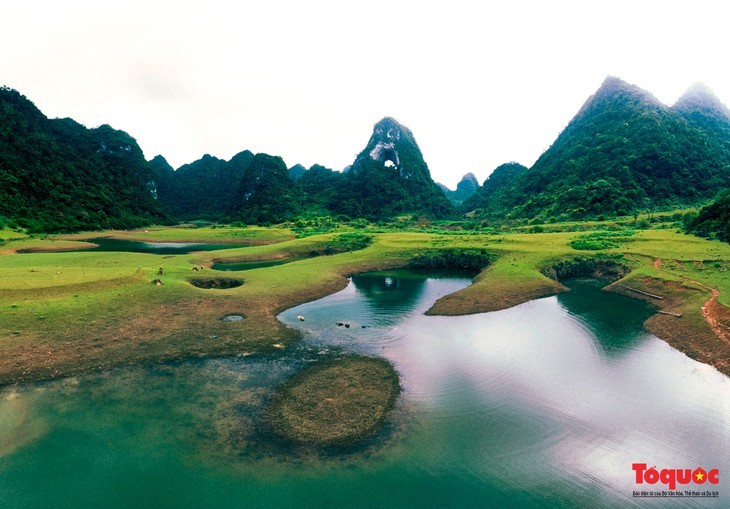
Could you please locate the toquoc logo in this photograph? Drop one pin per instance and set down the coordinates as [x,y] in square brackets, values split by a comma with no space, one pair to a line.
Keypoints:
[672,476]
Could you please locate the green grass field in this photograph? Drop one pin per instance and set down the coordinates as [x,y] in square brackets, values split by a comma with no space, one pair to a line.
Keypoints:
[68,312]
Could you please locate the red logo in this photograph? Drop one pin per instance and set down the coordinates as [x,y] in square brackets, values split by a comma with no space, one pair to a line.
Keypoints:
[673,476]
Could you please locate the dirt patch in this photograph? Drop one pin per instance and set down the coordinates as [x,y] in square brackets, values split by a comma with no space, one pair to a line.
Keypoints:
[219,283]
[718,316]
[337,402]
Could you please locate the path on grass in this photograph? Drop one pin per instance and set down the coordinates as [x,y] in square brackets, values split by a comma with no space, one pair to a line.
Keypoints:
[711,309]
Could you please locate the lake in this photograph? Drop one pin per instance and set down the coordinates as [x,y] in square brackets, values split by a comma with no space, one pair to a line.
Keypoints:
[546,404]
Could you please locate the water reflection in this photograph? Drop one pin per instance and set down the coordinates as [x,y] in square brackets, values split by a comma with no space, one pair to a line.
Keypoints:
[520,408]
[616,322]
[132,246]
[390,294]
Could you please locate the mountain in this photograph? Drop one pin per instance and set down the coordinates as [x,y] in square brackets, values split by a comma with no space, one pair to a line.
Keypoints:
[163,176]
[321,188]
[389,177]
[625,151]
[265,194]
[489,199]
[466,187]
[57,175]
[701,108]
[296,172]
[203,189]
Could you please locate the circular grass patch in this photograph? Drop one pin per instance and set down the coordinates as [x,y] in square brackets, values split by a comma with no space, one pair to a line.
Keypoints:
[335,402]
[220,283]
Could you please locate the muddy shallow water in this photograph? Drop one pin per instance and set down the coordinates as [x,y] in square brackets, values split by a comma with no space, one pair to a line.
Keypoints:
[546,404]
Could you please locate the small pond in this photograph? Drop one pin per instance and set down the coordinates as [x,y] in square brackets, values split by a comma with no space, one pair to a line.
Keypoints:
[133,246]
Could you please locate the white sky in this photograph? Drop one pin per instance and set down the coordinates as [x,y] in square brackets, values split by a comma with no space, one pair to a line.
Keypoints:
[478,83]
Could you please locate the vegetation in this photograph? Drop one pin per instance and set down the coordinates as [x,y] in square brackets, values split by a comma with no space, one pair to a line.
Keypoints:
[57,175]
[604,268]
[266,194]
[389,177]
[623,156]
[599,241]
[489,199]
[206,188]
[321,188]
[623,153]
[344,243]
[468,259]
[65,312]
[335,402]
[466,187]
[713,220]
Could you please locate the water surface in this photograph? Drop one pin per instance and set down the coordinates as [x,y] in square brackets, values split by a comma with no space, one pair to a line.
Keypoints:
[133,246]
[546,404]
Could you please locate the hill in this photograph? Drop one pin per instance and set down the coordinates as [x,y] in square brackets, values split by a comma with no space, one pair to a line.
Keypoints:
[265,194]
[625,151]
[389,177]
[489,199]
[57,175]
[203,189]
[466,187]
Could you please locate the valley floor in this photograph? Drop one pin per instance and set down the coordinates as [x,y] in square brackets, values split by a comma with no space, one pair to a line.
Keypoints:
[66,312]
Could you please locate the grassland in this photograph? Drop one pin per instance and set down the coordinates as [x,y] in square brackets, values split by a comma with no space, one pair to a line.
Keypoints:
[68,312]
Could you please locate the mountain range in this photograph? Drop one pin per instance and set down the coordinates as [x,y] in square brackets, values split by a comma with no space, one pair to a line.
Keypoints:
[623,152]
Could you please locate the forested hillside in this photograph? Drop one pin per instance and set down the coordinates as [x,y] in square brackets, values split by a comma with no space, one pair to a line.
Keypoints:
[623,152]
[57,175]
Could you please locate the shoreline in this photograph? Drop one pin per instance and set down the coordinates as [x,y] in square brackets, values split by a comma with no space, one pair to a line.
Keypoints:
[71,313]
[43,364]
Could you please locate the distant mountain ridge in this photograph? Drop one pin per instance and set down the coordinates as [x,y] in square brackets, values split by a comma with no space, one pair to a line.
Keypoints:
[624,151]
[206,188]
[465,188]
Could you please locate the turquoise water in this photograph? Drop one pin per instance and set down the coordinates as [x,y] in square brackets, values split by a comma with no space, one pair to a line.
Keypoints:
[546,404]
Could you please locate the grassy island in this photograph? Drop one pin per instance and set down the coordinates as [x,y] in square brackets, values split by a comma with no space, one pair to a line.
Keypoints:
[335,402]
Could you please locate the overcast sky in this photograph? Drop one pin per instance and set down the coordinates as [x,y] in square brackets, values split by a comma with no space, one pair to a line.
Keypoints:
[478,83]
